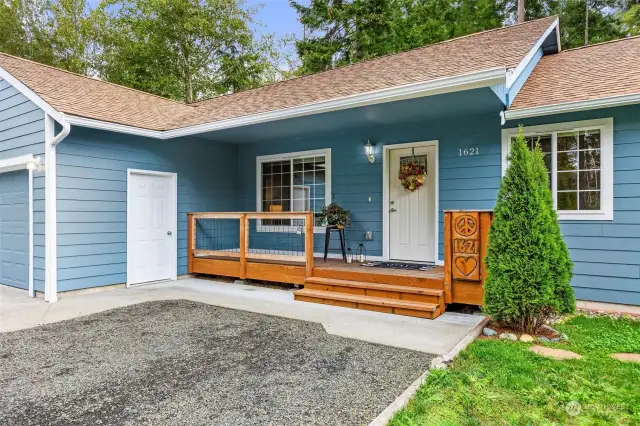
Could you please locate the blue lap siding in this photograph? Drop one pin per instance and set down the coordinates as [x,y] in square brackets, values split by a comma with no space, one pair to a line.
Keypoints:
[464,182]
[22,133]
[92,197]
[606,254]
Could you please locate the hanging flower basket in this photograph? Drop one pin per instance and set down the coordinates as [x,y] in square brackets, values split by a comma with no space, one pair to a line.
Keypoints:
[412,175]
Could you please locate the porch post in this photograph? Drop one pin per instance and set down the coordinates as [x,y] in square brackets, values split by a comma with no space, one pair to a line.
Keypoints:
[191,241]
[447,257]
[308,243]
[244,245]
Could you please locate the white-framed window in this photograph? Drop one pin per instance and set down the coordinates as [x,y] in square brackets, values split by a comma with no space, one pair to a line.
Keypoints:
[296,181]
[579,158]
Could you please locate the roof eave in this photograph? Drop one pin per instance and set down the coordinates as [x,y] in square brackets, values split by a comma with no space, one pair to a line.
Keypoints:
[485,78]
[92,123]
[608,102]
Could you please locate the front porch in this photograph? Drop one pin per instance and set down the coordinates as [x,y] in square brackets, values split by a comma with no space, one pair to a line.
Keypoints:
[231,244]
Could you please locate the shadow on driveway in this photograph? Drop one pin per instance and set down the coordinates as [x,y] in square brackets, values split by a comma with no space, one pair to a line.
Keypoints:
[187,363]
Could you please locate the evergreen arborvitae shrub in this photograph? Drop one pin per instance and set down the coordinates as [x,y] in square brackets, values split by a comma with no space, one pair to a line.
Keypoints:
[528,263]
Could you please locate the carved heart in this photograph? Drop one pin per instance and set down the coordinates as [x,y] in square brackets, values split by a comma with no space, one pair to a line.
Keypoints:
[466,265]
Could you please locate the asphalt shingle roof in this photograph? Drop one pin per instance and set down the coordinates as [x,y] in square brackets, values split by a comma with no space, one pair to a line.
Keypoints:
[82,96]
[582,74]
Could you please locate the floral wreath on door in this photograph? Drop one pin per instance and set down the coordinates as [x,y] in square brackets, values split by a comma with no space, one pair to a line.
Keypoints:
[412,175]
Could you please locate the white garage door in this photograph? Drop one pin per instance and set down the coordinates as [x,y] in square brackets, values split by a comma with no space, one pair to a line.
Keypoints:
[14,229]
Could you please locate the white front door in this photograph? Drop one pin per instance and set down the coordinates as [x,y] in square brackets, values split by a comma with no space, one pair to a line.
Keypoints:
[412,215]
[151,227]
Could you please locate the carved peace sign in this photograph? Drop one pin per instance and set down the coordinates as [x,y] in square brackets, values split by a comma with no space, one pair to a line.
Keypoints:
[466,226]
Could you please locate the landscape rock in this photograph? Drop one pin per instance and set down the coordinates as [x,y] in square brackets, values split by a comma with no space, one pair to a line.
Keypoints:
[508,336]
[626,357]
[564,337]
[554,353]
[526,338]
[544,339]
[548,328]
[555,340]
[489,332]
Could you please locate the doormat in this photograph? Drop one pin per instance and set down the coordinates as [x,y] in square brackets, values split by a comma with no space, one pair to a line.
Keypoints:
[400,265]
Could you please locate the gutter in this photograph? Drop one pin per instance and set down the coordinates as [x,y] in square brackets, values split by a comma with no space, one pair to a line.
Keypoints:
[469,81]
[51,205]
[66,129]
[485,78]
[608,102]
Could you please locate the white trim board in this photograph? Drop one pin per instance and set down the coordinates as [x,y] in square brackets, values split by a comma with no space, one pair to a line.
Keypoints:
[113,127]
[605,125]
[607,102]
[23,162]
[174,221]
[514,73]
[385,193]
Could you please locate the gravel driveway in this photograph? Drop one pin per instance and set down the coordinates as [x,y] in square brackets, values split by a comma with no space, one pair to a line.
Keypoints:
[187,363]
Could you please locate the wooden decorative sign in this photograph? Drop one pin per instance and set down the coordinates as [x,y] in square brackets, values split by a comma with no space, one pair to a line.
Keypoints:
[465,230]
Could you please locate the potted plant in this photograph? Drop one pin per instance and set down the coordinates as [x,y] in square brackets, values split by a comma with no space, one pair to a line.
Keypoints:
[334,215]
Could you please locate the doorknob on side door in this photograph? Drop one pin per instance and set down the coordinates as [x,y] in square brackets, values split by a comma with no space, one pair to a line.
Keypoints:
[169,233]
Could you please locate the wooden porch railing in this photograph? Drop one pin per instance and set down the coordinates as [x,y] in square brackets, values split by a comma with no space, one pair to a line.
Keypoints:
[244,252]
[466,236]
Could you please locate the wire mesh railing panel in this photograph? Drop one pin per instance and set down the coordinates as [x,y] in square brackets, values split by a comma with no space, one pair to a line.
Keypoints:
[277,240]
[219,235]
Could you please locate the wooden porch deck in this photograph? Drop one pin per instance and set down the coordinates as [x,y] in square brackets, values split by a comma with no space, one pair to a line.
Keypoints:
[416,293]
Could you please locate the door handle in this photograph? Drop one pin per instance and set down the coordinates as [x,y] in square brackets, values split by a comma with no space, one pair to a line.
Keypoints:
[391,210]
[169,233]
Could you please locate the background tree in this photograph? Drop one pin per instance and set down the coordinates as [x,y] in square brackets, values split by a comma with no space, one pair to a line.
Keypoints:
[182,49]
[589,21]
[340,32]
[72,35]
[527,261]
[24,30]
[56,33]
[630,16]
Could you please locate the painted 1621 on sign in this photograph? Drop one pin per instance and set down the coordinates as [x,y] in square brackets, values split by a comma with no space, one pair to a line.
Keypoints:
[466,152]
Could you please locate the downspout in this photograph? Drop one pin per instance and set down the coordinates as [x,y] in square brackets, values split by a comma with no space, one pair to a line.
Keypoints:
[50,212]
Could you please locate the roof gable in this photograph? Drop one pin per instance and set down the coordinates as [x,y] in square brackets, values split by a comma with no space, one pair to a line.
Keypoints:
[578,76]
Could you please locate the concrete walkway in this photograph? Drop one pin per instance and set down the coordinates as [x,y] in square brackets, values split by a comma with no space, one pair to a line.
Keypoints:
[18,311]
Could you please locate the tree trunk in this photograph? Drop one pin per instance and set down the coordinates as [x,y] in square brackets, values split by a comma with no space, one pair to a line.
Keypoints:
[586,23]
[188,88]
[521,16]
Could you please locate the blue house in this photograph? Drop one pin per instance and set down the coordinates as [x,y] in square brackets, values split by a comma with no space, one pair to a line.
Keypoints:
[96,180]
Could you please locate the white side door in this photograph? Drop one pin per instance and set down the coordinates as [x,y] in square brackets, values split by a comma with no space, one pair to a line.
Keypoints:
[151,228]
[412,215]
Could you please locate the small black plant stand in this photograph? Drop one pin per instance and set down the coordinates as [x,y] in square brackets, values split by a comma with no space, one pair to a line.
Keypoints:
[327,237]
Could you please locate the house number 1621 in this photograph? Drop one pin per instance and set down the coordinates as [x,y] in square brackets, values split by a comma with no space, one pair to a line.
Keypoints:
[468,151]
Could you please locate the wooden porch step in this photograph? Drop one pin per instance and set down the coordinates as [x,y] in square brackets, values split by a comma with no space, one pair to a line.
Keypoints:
[374,286]
[390,291]
[379,304]
[434,280]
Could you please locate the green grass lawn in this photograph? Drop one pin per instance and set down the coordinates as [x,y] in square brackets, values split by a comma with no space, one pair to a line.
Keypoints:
[496,382]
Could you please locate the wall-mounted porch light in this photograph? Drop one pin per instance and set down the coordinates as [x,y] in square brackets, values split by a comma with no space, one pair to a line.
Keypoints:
[368,149]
